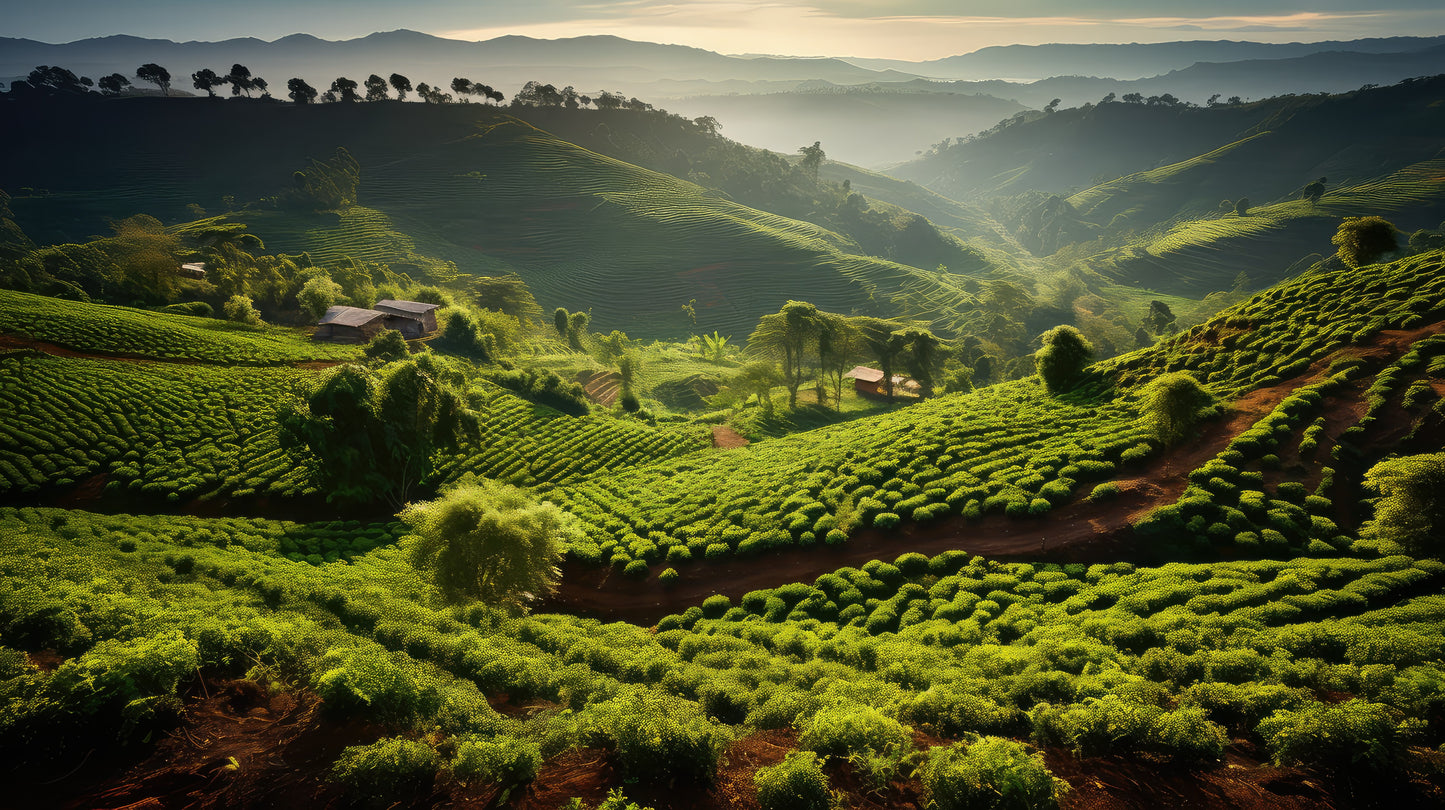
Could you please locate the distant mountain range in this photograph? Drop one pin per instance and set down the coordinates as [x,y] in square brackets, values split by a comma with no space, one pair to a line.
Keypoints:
[865,111]
[1132,61]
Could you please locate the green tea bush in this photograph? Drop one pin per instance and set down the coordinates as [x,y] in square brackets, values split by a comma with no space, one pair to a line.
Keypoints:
[505,760]
[796,783]
[387,770]
[991,772]
[847,729]
[368,682]
[1353,734]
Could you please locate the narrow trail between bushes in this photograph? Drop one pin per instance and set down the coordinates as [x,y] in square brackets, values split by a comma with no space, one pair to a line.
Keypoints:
[1080,531]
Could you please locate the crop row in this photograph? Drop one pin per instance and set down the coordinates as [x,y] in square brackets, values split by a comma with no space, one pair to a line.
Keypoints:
[1173,661]
[177,431]
[1278,334]
[104,329]
[1009,448]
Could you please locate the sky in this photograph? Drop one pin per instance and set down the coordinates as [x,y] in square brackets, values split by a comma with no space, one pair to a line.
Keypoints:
[895,29]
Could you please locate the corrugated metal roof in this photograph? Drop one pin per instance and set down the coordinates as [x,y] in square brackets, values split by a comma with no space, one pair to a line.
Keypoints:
[865,374]
[349,316]
[408,307]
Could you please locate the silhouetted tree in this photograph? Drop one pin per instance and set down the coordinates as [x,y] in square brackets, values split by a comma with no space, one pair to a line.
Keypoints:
[401,84]
[1052,105]
[300,91]
[1314,191]
[113,84]
[1241,206]
[461,86]
[1160,317]
[345,89]
[207,80]
[375,88]
[240,80]
[56,78]
[1132,98]
[156,75]
[812,158]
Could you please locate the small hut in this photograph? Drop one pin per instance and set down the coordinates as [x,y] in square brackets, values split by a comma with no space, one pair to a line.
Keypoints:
[196,270]
[412,319]
[350,324]
[869,382]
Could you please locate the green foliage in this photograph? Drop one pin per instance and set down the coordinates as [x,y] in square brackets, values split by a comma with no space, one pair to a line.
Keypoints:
[1363,240]
[505,760]
[990,772]
[1063,357]
[239,308]
[386,771]
[376,432]
[1411,508]
[388,346]
[1174,404]
[1353,734]
[849,729]
[796,783]
[490,542]
[366,682]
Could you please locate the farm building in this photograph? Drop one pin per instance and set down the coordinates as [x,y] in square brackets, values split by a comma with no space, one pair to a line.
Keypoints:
[869,382]
[412,318]
[350,324]
[196,270]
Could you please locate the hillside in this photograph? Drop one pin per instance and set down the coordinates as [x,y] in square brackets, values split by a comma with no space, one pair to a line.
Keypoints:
[1134,190]
[469,185]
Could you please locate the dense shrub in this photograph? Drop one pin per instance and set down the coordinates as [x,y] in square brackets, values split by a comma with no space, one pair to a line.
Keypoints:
[796,783]
[852,728]
[501,759]
[992,772]
[386,771]
[1352,734]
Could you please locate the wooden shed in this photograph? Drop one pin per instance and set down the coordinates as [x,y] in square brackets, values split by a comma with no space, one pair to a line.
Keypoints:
[196,270]
[350,324]
[412,319]
[869,382]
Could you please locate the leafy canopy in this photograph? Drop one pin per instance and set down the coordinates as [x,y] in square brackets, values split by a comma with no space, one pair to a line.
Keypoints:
[1063,357]
[490,542]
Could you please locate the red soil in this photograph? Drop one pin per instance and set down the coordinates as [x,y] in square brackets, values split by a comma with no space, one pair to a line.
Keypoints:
[725,438]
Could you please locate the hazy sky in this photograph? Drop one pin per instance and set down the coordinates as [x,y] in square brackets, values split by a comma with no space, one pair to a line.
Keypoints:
[902,29]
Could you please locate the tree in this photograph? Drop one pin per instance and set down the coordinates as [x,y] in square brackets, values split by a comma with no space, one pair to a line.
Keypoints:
[239,308]
[375,88]
[461,86]
[757,379]
[345,89]
[490,542]
[1241,206]
[785,337]
[377,431]
[812,158]
[714,348]
[1132,98]
[1363,240]
[838,343]
[156,75]
[576,329]
[1411,507]
[923,357]
[301,92]
[1314,191]
[56,78]
[1063,357]
[113,84]
[318,295]
[1173,404]
[401,84]
[240,80]
[207,80]
[1052,105]
[388,346]
[1160,317]
[559,321]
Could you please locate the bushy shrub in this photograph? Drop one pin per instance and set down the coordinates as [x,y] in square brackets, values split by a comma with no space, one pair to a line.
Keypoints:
[367,682]
[502,759]
[990,773]
[660,738]
[852,728]
[1343,735]
[387,770]
[885,520]
[796,783]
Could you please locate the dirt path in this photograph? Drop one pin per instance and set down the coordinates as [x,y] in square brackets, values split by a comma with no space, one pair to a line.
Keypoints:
[725,438]
[1079,531]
